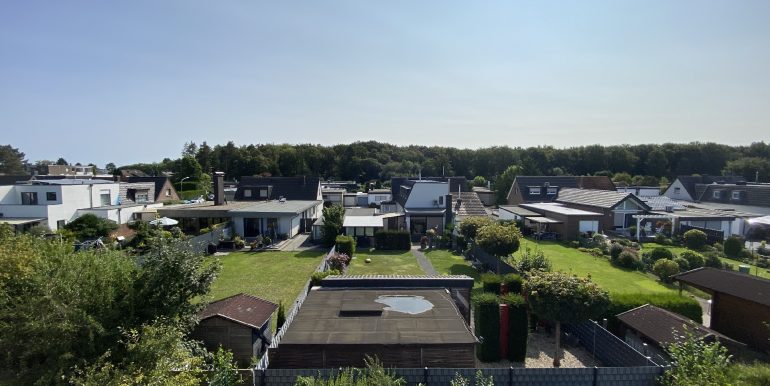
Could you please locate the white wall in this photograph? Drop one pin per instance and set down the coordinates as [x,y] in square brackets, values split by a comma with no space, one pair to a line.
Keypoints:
[682,195]
[424,194]
[378,198]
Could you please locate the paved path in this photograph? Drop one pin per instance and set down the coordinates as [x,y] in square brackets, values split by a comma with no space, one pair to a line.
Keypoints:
[423,261]
[300,242]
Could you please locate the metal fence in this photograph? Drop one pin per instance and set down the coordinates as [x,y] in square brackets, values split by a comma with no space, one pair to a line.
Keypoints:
[491,263]
[713,235]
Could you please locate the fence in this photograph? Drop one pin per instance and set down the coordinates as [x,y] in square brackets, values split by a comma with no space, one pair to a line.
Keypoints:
[490,262]
[607,347]
[199,243]
[265,361]
[713,235]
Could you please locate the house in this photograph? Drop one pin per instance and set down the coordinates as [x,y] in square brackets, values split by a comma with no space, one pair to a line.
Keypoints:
[363,223]
[332,196]
[163,188]
[54,203]
[553,220]
[530,189]
[378,196]
[278,219]
[70,170]
[639,191]
[426,204]
[275,188]
[408,322]
[617,209]
[690,188]
[650,330]
[740,303]
[239,323]
[486,195]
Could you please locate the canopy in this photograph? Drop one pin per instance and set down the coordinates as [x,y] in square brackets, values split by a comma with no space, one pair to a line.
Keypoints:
[164,221]
[760,220]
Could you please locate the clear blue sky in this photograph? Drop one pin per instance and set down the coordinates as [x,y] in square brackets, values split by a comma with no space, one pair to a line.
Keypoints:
[131,81]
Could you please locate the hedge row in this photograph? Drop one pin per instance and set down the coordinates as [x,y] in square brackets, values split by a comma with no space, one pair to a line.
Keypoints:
[346,245]
[518,326]
[682,305]
[487,318]
[392,240]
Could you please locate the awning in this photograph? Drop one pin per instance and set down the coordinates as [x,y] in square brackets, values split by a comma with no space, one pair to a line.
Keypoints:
[362,222]
[19,220]
[544,220]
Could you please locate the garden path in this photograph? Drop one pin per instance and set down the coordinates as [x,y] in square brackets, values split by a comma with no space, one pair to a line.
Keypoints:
[423,261]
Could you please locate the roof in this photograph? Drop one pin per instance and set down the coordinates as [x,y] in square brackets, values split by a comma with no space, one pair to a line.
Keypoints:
[379,191]
[363,221]
[360,211]
[291,188]
[517,210]
[400,187]
[748,194]
[20,220]
[13,179]
[329,316]
[244,309]
[559,182]
[662,326]
[733,283]
[597,198]
[125,173]
[470,204]
[662,202]
[425,211]
[544,220]
[689,182]
[276,207]
[68,181]
[555,207]
[158,181]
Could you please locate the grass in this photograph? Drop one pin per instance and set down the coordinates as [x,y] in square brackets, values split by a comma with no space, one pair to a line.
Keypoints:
[754,270]
[447,263]
[609,277]
[384,263]
[274,276]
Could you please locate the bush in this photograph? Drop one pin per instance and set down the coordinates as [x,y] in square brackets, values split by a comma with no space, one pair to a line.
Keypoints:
[695,239]
[514,283]
[632,231]
[346,245]
[624,242]
[532,262]
[682,305]
[615,250]
[88,226]
[317,277]
[487,318]
[661,239]
[660,253]
[754,374]
[518,326]
[339,261]
[712,260]
[238,242]
[733,246]
[694,259]
[574,244]
[392,240]
[491,283]
[763,249]
[665,269]
[281,318]
[627,259]
[683,264]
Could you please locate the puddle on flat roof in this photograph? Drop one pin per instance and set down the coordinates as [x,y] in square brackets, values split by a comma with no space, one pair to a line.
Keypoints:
[408,304]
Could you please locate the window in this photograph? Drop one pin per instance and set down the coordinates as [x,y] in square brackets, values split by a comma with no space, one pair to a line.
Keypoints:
[677,190]
[534,190]
[142,196]
[168,192]
[263,193]
[246,192]
[441,200]
[717,194]
[737,195]
[105,197]
[29,198]
[60,224]
[551,191]
[50,196]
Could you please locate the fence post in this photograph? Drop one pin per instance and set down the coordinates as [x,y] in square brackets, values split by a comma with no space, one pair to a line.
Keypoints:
[425,376]
[596,371]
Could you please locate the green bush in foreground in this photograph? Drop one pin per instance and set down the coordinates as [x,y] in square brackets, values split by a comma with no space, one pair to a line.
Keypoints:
[665,269]
[373,374]
[491,283]
[695,362]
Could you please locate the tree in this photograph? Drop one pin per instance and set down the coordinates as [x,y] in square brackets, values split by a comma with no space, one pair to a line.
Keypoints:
[62,161]
[224,371]
[11,160]
[695,362]
[695,239]
[471,225]
[751,168]
[560,297]
[665,269]
[190,149]
[110,168]
[479,181]
[499,240]
[188,167]
[88,226]
[332,216]
[504,181]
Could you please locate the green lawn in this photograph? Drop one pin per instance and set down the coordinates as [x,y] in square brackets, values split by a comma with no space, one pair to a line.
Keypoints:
[384,263]
[762,272]
[274,276]
[612,279]
[447,263]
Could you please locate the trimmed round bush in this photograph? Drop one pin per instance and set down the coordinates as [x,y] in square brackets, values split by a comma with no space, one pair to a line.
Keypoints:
[661,253]
[615,250]
[491,283]
[665,269]
[694,259]
[682,263]
[695,239]
[514,283]
[712,260]
[628,259]
[733,246]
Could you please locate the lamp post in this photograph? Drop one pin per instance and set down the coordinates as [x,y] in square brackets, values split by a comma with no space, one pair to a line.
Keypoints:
[182,185]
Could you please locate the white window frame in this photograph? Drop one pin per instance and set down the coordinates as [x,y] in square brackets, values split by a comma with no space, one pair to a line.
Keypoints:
[246,192]
[717,194]
[534,190]
[736,195]
[552,191]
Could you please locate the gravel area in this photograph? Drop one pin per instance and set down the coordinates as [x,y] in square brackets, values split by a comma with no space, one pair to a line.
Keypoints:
[540,354]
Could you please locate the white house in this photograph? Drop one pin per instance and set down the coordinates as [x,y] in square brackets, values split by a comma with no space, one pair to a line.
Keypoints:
[426,204]
[276,218]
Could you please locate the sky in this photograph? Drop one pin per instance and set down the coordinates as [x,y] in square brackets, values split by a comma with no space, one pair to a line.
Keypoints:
[132,81]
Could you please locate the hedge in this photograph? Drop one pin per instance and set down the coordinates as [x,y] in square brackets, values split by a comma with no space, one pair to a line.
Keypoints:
[346,245]
[518,326]
[491,283]
[392,240]
[680,304]
[514,283]
[487,320]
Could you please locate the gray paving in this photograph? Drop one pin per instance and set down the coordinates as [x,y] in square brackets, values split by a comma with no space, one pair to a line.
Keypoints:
[423,261]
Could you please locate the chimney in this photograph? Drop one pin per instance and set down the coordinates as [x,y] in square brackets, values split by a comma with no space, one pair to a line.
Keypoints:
[219,188]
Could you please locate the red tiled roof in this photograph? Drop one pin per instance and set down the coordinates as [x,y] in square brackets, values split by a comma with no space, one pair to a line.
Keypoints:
[241,308]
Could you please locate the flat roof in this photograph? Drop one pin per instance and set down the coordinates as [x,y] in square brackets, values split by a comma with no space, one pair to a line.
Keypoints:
[19,220]
[554,207]
[517,210]
[424,211]
[277,207]
[363,221]
[544,220]
[320,320]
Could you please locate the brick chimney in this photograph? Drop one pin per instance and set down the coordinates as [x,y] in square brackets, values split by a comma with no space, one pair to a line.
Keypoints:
[219,188]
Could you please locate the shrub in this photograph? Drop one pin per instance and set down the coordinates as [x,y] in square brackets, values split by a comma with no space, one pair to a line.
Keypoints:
[696,362]
[661,239]
[695,239]
[88,226]
[338,261]
[733,246]
[498,240]
[513,283]
[317,277]
[615,250]
[632,231]
[754,374]
[487,318]
[660,253]
[711,259]
[682,305]
[624,242]
[518,326]
[238,242]
[694,259]
[763,249]
[574,244]
[392,240]
[532,262]
[471,225]
[491,283]
[683,264]
[346,245]
[665,269]
[281,318]
[628,259]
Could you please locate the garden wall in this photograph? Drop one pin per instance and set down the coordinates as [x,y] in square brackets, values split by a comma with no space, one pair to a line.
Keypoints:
[199,243]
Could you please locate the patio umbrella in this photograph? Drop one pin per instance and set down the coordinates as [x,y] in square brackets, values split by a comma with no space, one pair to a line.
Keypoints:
[164,221]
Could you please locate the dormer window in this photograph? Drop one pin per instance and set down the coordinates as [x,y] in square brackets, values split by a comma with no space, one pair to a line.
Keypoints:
[534,190]
[736,195]
[717,194]
[677,190]
[552,191]
[246,192]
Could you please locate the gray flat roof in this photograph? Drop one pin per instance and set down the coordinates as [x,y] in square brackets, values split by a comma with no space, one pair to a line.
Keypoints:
[319,320]
[523,212]
[559,208]
[276,207]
